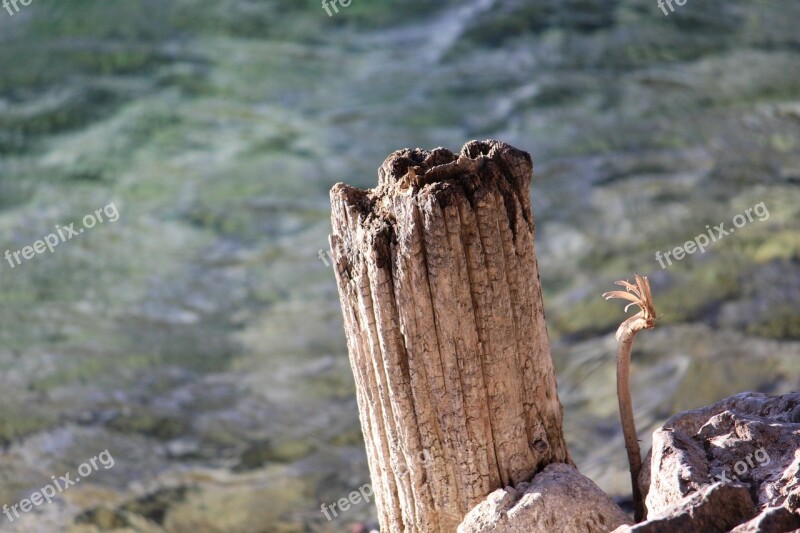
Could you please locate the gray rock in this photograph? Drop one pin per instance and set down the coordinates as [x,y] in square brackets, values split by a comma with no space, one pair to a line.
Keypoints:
[750,438]
[714,509]
[771,520]
[681,465]
[557,499]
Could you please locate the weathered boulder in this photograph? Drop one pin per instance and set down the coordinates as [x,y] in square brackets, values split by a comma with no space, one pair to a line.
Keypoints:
[557,499]
[715,508]
[751,439]
[771,520]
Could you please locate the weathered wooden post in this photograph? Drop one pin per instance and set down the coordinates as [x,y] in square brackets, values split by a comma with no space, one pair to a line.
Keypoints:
[445,328]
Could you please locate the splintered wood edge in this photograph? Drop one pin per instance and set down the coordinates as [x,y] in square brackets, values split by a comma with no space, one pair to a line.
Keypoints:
[486,164]
[439,285]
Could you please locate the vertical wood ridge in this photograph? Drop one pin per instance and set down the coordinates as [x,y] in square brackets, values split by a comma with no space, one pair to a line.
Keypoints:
[445,327]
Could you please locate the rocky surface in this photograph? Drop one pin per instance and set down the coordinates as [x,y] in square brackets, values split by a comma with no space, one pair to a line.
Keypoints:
[557,499]
[715,508]
[751,439]
[771,520]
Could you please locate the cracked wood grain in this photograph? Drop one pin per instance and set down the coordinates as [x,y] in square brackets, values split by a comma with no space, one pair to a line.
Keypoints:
[445,329]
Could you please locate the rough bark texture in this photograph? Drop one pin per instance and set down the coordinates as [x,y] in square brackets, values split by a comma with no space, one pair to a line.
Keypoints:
[558,499]
[445,328]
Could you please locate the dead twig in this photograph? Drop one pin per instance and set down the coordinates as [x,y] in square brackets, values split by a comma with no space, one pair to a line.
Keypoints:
[638,295]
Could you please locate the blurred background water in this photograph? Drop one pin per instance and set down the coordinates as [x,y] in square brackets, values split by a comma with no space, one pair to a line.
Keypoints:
[199,339]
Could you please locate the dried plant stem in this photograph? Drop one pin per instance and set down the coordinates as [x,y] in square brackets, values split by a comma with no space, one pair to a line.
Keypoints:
[640,296]
[625,335]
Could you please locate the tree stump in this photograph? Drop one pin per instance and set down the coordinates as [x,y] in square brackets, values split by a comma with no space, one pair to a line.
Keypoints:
[445,330]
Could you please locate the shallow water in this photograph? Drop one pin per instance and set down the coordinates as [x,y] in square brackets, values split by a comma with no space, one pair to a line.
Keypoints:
[198,338]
